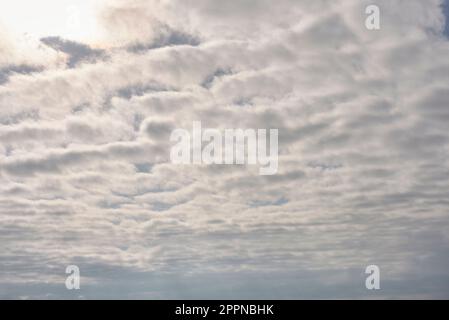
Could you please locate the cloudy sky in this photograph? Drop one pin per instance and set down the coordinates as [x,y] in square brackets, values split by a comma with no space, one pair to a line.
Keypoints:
[90,89]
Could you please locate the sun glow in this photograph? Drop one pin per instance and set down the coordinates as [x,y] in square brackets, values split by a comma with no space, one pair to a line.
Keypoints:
[70,19]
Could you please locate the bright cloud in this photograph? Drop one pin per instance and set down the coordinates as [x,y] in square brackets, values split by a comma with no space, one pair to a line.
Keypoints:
[363,149]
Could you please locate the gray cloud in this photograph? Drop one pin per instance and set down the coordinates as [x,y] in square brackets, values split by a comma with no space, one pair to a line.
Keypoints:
[17,69]
[86,178]
[77,52]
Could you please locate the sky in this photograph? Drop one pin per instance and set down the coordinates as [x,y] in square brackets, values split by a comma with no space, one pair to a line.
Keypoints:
[89,91]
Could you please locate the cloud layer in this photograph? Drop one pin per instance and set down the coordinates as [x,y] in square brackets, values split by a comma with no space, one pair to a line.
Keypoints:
[363,165]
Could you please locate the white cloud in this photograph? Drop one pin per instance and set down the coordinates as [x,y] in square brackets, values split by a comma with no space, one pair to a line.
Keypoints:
[363,150]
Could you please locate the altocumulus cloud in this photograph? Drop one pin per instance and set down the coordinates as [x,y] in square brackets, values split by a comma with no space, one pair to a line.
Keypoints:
[363,152]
